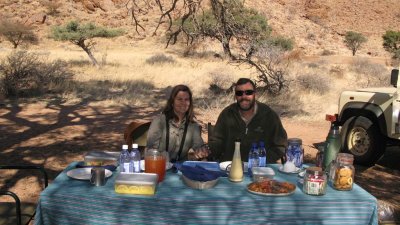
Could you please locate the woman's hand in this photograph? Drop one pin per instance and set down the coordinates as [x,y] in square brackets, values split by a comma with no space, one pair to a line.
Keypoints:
[201,152]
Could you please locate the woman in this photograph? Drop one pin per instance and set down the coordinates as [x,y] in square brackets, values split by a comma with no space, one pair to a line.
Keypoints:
[176,128]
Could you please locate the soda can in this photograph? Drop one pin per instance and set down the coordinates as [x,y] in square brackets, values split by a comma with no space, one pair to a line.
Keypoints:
[295,152]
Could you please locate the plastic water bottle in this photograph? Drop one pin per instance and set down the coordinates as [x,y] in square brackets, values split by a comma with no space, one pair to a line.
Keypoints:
[253,158]
[122,158]
[135,159]
[262,155]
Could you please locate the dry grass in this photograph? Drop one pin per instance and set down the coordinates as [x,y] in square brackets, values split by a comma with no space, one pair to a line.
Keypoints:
[125,78]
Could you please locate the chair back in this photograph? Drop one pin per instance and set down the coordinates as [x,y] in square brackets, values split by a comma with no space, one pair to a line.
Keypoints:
[210,130]
[16,212]
[136,132]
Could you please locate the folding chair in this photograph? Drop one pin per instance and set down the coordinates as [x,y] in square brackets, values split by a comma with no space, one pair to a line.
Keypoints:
[17,212]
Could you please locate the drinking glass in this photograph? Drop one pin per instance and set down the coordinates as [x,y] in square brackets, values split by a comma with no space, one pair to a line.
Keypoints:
[155,162]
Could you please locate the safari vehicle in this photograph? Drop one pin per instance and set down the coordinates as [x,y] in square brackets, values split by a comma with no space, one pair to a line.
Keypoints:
[370,119]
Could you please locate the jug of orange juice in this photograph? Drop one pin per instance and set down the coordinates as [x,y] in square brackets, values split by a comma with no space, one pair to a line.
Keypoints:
[155,162]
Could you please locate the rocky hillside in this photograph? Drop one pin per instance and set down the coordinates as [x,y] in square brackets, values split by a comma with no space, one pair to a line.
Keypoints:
[315,25]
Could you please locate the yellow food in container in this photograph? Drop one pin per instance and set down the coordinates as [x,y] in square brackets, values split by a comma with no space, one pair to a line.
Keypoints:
[136,183]
[98,158]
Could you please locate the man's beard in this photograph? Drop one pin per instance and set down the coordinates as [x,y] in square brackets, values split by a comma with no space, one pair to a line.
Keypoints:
[252,102]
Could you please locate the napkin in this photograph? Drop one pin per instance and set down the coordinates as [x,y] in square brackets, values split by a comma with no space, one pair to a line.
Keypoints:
[109,167]
[199,173]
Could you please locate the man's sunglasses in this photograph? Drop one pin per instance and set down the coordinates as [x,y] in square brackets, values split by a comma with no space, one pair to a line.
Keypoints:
[246,92]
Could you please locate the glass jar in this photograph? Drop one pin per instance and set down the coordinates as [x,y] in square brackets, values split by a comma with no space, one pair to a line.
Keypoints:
[155,162]
[343,177]
[314,181]
[333,166]
[295,152]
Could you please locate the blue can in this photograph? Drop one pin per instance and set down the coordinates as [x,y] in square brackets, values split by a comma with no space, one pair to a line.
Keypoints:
[295,152]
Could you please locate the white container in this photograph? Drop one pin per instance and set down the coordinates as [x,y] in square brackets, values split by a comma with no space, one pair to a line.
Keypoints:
[98,158]
[261,173]
[136,183]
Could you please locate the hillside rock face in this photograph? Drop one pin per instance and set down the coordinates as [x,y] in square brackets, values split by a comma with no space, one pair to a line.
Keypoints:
[91,5]
[315,25]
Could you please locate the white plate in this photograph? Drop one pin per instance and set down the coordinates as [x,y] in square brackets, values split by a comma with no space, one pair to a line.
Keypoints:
[84,173]
[226,166]
[293,172]
[167,166]
[270,194]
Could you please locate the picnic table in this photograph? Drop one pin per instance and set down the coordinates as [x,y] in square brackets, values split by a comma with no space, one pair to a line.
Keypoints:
[70,201]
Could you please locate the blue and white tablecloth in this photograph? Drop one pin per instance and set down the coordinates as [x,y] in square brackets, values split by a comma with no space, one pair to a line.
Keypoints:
[69,201]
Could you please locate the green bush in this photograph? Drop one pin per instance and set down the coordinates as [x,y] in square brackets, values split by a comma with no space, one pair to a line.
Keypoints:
[160,59]
[26,74]
[391,43]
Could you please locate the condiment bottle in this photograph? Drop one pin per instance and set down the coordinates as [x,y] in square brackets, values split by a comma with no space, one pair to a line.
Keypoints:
[314,181]
[332,147]
[236,172]
[344,173]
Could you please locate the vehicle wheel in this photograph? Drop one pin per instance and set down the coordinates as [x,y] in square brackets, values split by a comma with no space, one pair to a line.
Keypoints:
[361,137]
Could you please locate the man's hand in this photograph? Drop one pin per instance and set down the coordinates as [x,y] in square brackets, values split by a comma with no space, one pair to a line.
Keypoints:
[199,153]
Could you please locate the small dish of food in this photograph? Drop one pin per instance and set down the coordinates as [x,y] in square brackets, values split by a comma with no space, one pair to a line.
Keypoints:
[271,188]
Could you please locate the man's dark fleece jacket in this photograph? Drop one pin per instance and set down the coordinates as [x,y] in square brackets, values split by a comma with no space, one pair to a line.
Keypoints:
[264,126]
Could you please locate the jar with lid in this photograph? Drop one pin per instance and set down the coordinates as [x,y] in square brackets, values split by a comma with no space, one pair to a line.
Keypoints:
[314,181]
[295,152]
[343,177]
[333,166]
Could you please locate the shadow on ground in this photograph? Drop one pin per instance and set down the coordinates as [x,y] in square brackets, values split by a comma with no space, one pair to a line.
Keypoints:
[382,180]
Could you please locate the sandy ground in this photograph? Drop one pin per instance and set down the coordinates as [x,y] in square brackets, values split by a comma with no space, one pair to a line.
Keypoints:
[54,134]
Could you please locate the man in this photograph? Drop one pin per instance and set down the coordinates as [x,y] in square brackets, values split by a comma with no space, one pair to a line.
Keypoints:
[250,121]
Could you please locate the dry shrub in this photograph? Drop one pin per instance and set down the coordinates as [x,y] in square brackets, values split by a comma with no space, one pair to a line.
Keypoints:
[314,83]
[222,81]
[326,52]
[337,71]
[27,74]
[313,65]
[160,59]
[295,55]
[52,6]
[370,74]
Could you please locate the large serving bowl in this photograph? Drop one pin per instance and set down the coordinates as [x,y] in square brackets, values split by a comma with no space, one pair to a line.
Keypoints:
[199,184]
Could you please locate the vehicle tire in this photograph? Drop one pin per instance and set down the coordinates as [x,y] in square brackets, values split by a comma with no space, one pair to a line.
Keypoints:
[361,137]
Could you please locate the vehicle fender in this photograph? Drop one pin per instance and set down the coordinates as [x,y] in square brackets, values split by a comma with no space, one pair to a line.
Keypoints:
[369,110]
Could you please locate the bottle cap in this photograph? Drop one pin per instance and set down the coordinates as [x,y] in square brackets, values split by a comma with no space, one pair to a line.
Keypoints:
[262,144]
[124,146]
[135,146]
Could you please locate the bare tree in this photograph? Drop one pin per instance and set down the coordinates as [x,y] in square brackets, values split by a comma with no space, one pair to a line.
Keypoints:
[271,62]
[17,33]
[225,21]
